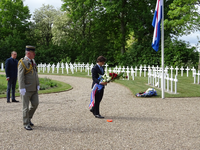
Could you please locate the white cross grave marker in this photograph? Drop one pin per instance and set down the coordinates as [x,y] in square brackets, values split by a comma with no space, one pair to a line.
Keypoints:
[171,71]
[48,68]
[168,82]
[166,69]
[145,69]
[171,84]
[53,67]
[132,72]
[1,66]
[72,68]
[194,75]
[38,68]
[140,70]
[67,67]
[187,70]
[175,80]
[182,70]
[198,76]
[62,66]
[193,71]
[58,66]
[86,67]
[176,70]
[136,70]
[44,67]
[127,71]
[106,65]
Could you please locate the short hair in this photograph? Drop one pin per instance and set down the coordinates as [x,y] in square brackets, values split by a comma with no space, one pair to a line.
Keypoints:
[101,59]
[13,52]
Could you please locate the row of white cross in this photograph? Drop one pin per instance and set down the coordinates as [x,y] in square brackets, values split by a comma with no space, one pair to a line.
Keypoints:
[88,67]
[155,77]
[154,73]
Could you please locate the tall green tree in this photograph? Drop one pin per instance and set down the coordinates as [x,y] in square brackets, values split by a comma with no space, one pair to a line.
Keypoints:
[184,16]
[91,33]
[103,27]
[14,27]
[44,18]
[14,16]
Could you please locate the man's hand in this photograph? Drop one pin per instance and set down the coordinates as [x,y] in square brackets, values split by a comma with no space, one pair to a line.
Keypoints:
[7,78]
[104,83]
[22,92]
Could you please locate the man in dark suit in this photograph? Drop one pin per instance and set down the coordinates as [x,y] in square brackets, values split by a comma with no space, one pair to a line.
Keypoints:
[96,71]
[11,75]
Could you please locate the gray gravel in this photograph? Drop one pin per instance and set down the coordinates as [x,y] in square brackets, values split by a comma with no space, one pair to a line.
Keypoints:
[63,121]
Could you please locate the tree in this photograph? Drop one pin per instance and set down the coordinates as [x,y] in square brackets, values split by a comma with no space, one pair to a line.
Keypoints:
[14,16]
[103,28]
[184,16]
[14,27]
[90,32]
[44,18]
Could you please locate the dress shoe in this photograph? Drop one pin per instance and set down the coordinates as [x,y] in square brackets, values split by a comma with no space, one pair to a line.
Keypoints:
[99,116]
[31,124]
[8,102]
[15,101]
[28,127]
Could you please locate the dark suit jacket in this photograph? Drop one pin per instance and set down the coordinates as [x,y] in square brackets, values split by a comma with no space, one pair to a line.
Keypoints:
[95,74]
[11,67]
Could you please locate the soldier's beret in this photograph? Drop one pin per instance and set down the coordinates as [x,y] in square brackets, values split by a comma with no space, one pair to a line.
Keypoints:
[30,48]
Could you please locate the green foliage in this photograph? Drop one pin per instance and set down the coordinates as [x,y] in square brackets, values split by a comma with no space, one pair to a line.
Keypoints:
[184,16]
[44,18]
[14,27]
[11,43]
[3,85]
[87,29]
[46,83]
[3,88]
[176,53]
[179,53]
[14,15]
[50,54]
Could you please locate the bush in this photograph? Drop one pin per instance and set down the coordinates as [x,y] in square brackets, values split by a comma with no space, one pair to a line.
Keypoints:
[46,83]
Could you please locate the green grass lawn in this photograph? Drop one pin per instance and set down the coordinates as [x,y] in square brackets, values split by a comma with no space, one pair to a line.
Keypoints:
[185,85]
[46,86]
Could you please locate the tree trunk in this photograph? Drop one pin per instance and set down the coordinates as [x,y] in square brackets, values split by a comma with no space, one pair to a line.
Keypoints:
[123,28]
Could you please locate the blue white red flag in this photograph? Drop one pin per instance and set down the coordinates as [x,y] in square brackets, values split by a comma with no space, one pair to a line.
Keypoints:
[156,24]
[92,98]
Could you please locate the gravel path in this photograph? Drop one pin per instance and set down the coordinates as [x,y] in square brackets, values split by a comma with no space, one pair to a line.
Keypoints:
[63,121]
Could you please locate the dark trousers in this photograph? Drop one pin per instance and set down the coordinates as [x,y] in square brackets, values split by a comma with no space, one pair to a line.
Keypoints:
[11,85]
[98,98]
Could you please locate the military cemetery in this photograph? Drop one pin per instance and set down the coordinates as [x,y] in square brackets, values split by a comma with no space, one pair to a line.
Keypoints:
[99,75]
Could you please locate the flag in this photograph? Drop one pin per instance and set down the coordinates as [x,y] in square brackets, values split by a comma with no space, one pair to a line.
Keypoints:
[92,99]
[156,24]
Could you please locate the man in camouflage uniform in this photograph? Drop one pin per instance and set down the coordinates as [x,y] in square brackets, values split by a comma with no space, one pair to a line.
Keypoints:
[28,85]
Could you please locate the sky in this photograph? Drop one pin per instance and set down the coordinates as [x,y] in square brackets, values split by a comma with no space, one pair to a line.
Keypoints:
[36,4]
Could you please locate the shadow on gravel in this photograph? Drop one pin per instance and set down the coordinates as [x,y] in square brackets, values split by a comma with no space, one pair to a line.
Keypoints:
[57,103]
[135,118]
[78,129]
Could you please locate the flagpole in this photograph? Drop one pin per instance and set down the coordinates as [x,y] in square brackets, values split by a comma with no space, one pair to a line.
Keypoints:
[162,53]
